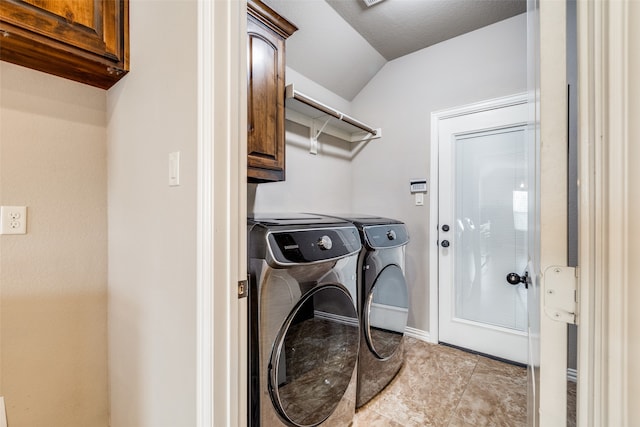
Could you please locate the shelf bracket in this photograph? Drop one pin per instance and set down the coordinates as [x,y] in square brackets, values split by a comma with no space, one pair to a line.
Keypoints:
[314,134]
[366,136]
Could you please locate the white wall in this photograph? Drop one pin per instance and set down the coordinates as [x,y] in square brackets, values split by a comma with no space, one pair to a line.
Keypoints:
[314,183]
[484,64]
[53,280]
[152,227]
[317,52]
[634,226]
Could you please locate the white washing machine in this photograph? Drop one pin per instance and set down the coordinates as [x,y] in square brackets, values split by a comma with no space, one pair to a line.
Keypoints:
[304,329]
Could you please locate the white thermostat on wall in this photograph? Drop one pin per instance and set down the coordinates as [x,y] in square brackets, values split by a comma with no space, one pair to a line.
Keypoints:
[418,186]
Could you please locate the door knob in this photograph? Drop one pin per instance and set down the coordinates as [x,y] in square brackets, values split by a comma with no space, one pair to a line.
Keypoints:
[516,279]
[445,243]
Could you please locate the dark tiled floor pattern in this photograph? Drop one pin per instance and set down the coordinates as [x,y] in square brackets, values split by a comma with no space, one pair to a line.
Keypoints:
[443,386]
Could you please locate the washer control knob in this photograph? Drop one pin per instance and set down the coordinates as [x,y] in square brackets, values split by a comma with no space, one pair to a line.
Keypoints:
[391,235]
[325,243]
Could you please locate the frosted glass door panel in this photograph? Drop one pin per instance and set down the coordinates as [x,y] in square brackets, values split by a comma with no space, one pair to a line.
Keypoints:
[490,226]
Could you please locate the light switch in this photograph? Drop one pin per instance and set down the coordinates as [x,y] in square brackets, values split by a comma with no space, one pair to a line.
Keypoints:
[419,199]
[174,169]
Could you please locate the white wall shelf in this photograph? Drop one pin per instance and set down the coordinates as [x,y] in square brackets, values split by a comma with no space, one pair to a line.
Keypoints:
[320,118]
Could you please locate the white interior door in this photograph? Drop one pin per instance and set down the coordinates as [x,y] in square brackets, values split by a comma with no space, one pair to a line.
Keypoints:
[483,229]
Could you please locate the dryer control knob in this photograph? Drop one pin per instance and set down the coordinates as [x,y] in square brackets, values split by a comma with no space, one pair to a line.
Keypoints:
[391,235]
[325,243]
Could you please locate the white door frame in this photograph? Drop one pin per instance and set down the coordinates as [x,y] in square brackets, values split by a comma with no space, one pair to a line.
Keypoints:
[553,336]
[436,117]
[605,120]
[221,253]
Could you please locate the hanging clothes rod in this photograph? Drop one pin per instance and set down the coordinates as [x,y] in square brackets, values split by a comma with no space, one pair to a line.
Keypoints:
[291,93]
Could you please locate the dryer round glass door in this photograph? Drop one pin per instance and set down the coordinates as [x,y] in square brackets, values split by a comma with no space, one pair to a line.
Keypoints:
[386,311]
[314,356]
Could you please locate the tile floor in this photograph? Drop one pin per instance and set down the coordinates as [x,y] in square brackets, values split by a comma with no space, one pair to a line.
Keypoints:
[443,386]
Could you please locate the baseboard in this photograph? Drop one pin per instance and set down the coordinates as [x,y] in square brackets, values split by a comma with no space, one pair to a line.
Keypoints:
[388,317]
[572,375]
[418,334]
[351,321]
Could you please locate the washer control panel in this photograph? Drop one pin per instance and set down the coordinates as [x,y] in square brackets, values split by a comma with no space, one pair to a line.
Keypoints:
[314,245]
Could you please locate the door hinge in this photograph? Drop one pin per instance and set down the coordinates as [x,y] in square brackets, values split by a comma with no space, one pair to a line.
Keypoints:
[560,293]
[243,288]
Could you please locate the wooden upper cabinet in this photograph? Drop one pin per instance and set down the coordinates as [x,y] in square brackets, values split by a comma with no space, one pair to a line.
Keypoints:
[82,40]
[267,32]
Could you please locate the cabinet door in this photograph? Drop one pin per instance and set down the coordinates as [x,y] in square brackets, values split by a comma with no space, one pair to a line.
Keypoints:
[265,140]
[82,40]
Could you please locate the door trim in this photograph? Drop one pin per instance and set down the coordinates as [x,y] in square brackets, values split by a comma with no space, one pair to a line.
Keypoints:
[605,123]
[221,383]
[553,168]
[436,117]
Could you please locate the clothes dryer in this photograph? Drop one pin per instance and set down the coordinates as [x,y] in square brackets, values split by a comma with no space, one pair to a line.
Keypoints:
[303,322]
[383,302]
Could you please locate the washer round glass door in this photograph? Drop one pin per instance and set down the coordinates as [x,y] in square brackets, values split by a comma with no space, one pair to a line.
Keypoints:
[314,356]
[386,311]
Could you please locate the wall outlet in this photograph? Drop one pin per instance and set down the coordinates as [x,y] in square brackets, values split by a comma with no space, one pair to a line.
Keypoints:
[13,220]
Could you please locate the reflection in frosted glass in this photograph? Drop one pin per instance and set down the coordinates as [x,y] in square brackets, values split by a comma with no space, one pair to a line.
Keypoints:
[490,227]
[387,311]
[520,203]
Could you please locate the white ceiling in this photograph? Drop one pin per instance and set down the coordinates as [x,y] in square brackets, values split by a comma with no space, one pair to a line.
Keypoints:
[398,27]
[342,44]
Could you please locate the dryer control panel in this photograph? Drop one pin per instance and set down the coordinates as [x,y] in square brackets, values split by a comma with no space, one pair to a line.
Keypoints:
[386,236]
